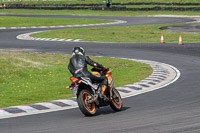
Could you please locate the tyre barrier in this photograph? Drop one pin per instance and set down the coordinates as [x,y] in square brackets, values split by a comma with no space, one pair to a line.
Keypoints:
[93,5]
[158,3]
[115,6]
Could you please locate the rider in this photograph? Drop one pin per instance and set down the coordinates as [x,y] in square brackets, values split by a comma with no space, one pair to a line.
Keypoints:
[78,68]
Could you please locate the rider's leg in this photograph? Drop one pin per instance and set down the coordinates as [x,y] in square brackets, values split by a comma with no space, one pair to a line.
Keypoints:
[103,83]
[103,87]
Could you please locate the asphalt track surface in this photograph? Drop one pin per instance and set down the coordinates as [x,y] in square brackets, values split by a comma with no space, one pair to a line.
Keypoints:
[172,109]
[195,27]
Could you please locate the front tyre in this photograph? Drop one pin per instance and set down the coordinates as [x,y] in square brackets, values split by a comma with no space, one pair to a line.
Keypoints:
[87,108]
[116,101]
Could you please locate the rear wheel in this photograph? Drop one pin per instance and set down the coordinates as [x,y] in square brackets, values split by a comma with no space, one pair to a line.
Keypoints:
[83,99]
[116,102]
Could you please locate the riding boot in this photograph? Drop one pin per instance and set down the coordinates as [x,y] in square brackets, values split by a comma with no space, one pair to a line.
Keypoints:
[102,90]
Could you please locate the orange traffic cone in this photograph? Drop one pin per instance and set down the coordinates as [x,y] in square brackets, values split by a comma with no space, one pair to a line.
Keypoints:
[180,42]
[162,39]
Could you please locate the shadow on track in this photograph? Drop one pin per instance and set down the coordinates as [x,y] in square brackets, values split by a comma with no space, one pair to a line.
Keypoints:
[108,110]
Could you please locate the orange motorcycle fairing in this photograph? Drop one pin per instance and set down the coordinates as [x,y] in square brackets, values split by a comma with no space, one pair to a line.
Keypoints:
[73,79]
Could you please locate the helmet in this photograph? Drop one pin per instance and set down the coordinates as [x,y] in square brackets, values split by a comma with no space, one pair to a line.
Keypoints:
[78,50]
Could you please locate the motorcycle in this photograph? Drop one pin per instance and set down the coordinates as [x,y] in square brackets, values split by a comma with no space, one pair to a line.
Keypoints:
[88,94]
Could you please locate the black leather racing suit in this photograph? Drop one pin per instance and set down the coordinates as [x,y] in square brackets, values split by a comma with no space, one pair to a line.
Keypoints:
[78,68]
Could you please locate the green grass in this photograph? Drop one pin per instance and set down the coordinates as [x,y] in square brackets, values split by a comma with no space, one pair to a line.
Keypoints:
[30,77]
[90,12]
[9,21]
[139,34]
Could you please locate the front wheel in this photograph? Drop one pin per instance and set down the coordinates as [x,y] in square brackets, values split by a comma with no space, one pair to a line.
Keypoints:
[83,99]
[116,101]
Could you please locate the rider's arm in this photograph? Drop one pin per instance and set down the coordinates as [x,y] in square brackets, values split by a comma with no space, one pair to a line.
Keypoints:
[94,64]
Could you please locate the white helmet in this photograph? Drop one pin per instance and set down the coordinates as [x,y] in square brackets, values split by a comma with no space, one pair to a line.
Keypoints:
[78,50]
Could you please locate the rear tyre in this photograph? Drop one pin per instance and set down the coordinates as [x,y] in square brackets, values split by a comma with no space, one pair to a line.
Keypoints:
[116,102]
[88,109]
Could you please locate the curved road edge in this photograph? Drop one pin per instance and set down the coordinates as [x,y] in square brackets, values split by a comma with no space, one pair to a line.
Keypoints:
[175,28]
[163,75]
[65,26]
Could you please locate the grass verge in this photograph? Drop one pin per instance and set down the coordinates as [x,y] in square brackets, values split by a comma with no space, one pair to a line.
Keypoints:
[139,34]
[10,21]
[27,77]
[91,12]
